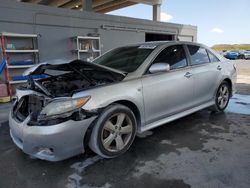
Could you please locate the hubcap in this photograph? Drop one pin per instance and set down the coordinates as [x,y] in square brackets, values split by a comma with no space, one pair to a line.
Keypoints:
[117,132]
[223,96]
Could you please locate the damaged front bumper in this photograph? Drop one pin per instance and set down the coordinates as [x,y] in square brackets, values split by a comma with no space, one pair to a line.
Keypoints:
[52,142]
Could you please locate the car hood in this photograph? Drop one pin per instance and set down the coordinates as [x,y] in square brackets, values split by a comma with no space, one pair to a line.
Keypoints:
[63,65]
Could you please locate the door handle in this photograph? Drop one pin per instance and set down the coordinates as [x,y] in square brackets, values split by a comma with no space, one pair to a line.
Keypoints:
[219,67]
[188,75]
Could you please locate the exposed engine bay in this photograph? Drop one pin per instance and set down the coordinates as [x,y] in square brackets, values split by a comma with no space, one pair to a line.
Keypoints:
[64,80]
[65,85]
[60,80]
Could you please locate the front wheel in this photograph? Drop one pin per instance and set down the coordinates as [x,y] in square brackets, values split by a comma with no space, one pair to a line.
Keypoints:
[222,97]
[114,131]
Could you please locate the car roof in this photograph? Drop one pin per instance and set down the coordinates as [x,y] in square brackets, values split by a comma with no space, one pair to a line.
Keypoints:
[161,43]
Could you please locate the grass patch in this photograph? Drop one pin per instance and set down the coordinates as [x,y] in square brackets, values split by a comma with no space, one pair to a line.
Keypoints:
[227,47]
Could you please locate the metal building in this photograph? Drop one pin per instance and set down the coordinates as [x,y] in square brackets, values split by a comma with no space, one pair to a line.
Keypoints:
[76,29]
[57,26]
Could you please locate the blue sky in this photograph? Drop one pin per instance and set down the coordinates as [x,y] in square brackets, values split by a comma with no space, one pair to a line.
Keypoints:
[218,21]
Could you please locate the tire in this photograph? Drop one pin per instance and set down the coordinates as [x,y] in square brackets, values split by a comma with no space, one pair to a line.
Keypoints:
[114,131]
[222,97]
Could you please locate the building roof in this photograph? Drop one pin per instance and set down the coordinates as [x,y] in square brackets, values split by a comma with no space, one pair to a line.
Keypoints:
[100,6]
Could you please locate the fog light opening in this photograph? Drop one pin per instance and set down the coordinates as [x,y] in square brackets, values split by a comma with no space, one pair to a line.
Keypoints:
[45,151]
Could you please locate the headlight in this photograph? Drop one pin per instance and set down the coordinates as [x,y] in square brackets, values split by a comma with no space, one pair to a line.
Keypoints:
[58,107]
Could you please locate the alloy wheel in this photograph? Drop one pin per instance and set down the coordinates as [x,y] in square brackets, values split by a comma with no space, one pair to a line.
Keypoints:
[117,132]
[223,96]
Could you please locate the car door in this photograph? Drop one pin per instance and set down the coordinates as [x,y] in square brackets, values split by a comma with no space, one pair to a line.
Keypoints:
[167,93]
[206,72]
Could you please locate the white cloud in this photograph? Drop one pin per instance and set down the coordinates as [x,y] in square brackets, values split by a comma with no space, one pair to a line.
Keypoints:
[217,30]
[166,17]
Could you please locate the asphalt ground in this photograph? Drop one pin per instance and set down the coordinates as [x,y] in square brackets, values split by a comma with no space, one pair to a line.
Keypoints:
[201,150]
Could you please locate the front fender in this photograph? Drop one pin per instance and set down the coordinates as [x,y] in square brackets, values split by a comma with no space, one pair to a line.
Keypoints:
[103,96]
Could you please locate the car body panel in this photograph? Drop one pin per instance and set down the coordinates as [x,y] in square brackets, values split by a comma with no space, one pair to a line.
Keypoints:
[127,90]
[66,139]
[60,64]
[176,116]
[206,79]
[158,88]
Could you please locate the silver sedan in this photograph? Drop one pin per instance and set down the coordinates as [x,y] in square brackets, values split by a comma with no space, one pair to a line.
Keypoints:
[128,90]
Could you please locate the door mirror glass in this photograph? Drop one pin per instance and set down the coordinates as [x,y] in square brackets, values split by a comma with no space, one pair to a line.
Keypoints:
[159,67]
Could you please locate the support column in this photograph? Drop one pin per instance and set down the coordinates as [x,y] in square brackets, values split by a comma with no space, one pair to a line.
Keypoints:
[87,5]
[157,12]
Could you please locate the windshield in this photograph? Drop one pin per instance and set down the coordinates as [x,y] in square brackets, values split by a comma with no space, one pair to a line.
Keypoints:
[126,59]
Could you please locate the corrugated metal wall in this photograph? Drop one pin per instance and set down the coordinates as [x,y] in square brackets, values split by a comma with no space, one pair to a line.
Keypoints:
[57,26]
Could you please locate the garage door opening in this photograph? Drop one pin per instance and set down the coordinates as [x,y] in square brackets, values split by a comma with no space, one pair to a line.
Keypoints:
[158,37]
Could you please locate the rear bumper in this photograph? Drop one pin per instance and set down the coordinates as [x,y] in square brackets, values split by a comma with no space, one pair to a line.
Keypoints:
[52,143]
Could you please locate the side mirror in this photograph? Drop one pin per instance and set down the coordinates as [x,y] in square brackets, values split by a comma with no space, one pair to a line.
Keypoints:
[159,67]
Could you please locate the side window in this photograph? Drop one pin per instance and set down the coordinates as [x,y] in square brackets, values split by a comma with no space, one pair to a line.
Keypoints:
[174,55]
[212,57]
[198,55]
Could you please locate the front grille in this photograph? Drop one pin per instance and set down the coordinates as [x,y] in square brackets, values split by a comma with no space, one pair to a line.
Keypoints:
[28,105]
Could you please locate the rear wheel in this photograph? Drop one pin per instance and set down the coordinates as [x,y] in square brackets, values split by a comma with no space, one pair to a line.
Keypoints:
[222,97]
[114,131]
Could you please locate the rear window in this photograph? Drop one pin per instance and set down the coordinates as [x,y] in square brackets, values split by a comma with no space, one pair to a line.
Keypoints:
[198,55]
[212,57]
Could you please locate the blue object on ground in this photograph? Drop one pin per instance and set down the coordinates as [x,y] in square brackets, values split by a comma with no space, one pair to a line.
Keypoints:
[17,78]
[2,66]
[22,62]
